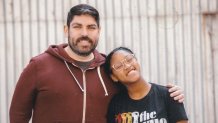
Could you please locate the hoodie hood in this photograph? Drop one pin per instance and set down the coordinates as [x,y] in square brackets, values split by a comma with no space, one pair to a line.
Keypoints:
[59,52]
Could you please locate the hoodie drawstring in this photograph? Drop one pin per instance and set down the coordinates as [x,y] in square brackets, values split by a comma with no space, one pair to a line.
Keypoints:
[84,87]
[77,82]
[102,81]
[84,98]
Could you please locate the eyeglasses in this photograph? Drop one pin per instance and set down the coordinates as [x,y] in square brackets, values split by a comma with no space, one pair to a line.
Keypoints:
[129,59]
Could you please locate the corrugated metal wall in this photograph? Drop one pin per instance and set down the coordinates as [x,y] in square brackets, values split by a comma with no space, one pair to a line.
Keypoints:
[175,40]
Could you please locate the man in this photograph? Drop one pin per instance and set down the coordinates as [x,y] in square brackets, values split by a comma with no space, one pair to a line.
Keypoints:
[67,83]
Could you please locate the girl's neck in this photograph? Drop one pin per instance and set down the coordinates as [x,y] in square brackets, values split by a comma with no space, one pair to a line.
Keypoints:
[139,89]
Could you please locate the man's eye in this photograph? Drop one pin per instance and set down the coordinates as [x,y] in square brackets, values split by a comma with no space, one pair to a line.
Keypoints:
[76,27]
[92,27]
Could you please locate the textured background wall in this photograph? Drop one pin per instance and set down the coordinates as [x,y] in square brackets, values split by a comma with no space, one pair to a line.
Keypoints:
[174,40]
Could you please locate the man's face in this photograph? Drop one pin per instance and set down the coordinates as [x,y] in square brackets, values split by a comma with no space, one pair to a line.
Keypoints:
[83,34]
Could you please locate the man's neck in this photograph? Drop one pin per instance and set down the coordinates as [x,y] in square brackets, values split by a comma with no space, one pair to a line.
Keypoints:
[78,57]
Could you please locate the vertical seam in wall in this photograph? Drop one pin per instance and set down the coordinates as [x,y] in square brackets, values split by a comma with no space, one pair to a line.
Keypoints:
[63,19]
[46,24]
[30,27]
[148,38]
[183,51]
[174,44]
[140,31]
[38,27]
[192,59]
[55,22]
[22,35]
[114,23]
[213,76]
[201,63]
[166,40]
[157,40]
[6,57]
[14,53]
[13,39]
[106,27]
[122,23]
[131,24]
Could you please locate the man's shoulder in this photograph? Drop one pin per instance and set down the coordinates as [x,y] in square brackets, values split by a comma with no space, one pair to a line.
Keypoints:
[97,53]
[43,59]
[41,56]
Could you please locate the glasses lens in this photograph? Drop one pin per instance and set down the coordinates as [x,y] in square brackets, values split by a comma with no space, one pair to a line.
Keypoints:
[118,66]
[129,59]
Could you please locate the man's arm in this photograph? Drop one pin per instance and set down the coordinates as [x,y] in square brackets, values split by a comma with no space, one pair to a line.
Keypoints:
[22,101]
[183,121]
[176,92]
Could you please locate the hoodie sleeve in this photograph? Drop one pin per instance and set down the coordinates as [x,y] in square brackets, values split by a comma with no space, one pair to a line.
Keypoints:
[24,95]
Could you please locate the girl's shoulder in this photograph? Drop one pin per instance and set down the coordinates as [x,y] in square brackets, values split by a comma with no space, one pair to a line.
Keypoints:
[159,90]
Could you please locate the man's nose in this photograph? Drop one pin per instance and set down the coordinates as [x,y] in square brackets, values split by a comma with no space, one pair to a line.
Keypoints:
[84,32]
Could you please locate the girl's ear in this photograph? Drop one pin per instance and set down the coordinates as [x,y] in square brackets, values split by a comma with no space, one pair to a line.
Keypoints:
[114,78]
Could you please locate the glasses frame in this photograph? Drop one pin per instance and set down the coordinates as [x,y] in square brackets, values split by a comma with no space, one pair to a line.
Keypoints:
[124,61]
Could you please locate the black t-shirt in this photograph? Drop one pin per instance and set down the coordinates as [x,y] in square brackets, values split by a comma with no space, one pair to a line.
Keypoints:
[156,107]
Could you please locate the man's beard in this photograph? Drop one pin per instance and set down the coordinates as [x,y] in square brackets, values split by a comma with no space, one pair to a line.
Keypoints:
[74,47]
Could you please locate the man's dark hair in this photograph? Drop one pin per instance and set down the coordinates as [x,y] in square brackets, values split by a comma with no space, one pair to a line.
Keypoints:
[83,9]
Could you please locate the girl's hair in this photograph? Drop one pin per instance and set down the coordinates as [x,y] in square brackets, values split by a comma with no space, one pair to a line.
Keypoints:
[107,65]
[83,9]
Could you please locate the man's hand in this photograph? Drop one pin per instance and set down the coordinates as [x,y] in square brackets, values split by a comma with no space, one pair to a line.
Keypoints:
[176,92]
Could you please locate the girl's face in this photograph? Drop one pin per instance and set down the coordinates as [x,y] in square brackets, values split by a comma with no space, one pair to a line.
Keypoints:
[125,67]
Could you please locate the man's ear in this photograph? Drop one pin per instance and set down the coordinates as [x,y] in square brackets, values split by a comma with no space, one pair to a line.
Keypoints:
[114,78]
[66,31]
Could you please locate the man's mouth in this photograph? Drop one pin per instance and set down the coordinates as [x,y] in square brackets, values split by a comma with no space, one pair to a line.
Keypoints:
[84,39]
[84,43]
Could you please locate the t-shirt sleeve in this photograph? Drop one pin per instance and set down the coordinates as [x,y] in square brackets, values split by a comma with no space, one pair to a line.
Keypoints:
[176,111]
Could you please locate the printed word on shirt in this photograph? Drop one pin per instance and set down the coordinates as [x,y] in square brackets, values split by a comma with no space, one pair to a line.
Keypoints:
[136,117]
